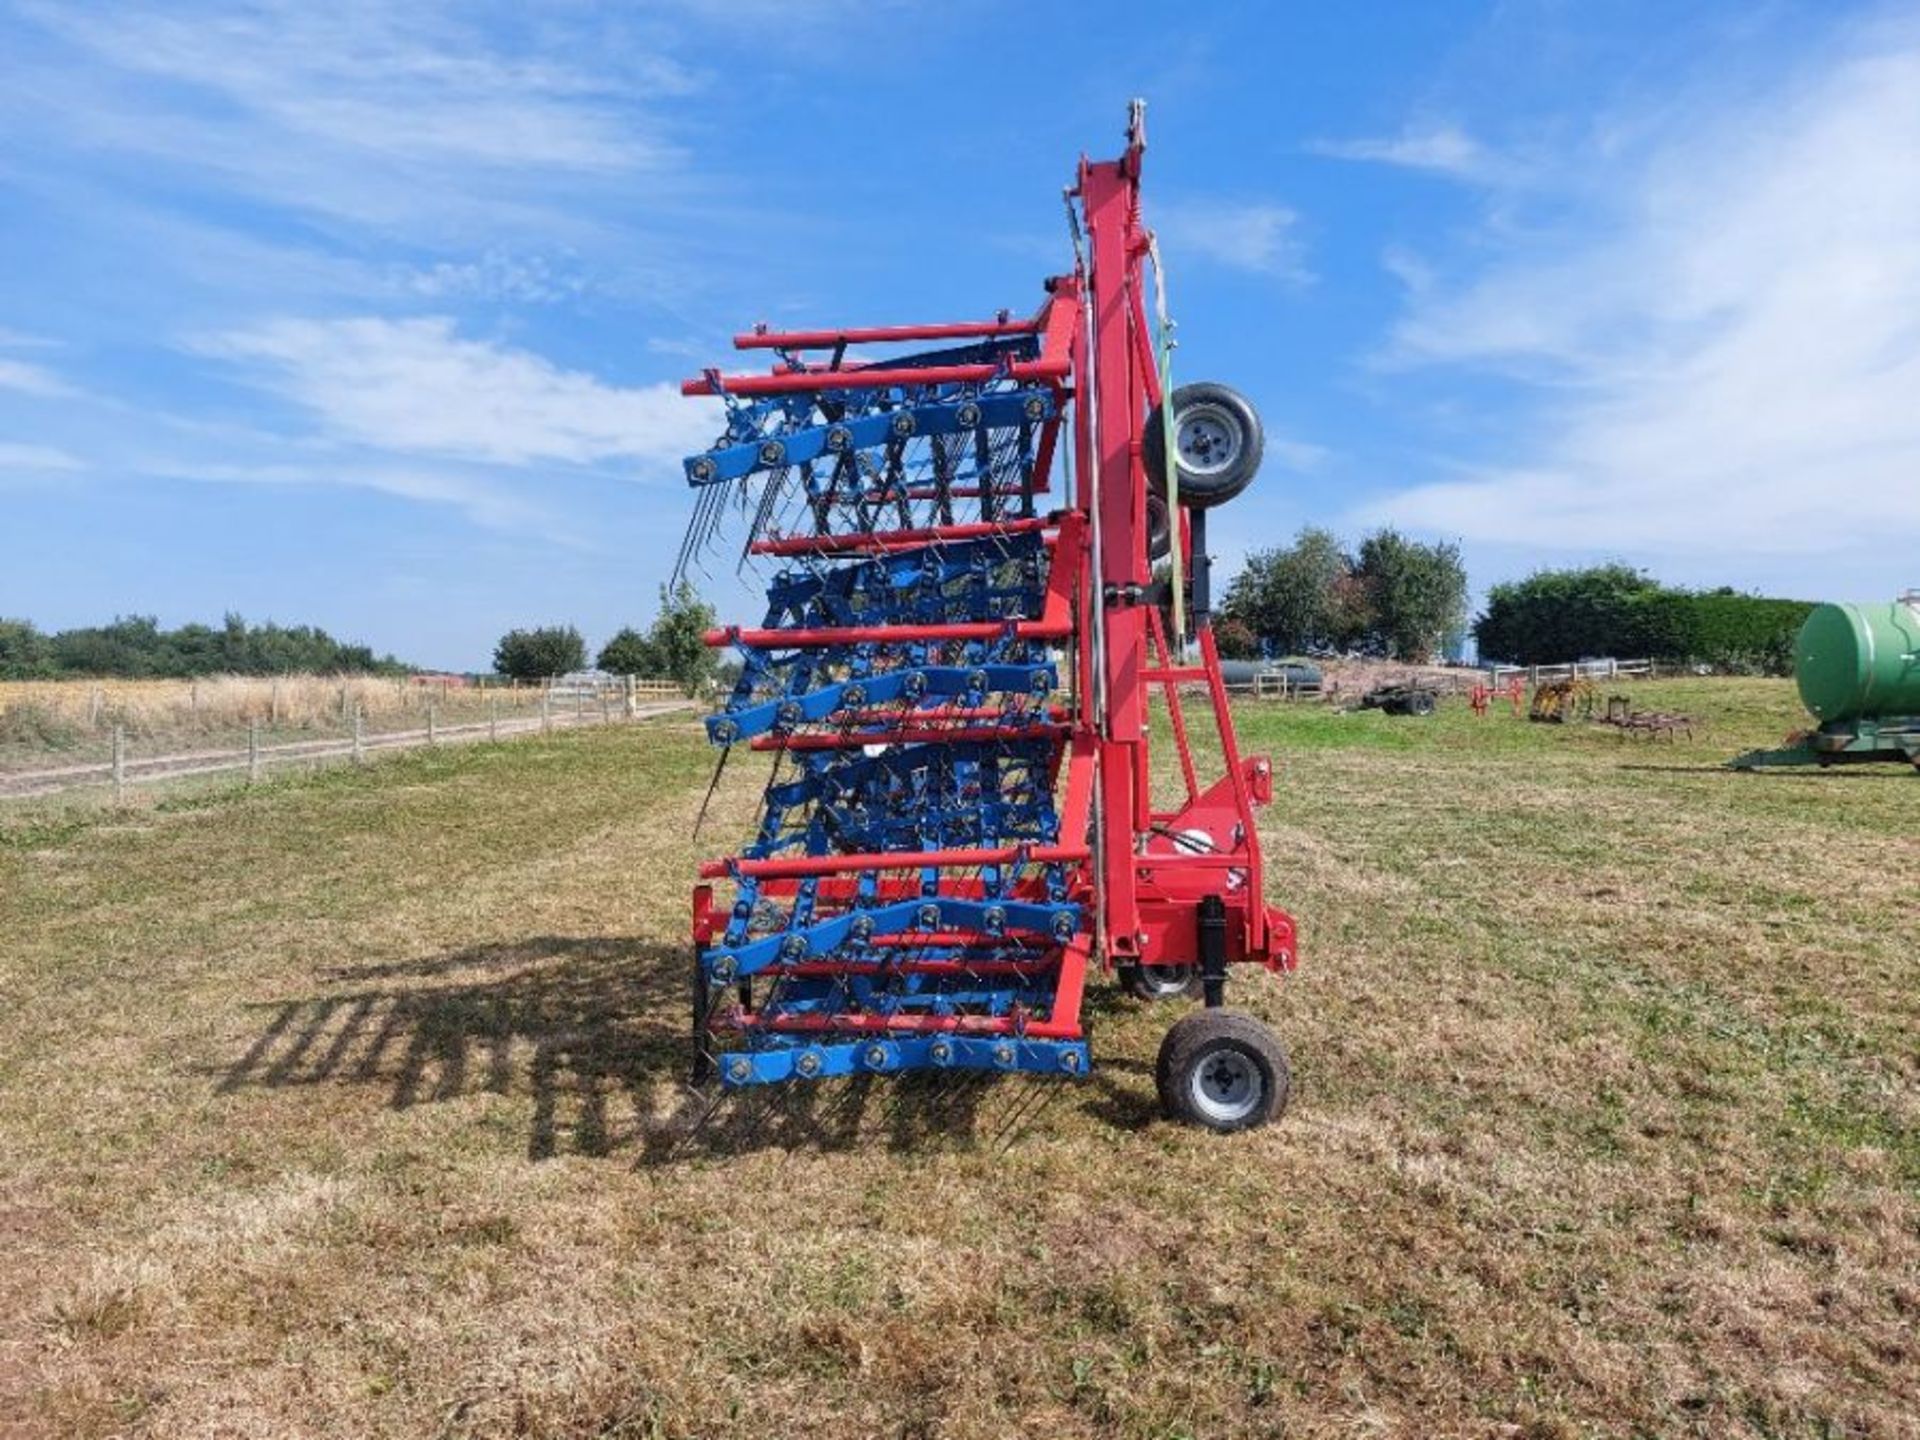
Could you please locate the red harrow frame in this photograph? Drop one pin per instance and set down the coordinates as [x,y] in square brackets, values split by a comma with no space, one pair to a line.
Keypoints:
[954,677]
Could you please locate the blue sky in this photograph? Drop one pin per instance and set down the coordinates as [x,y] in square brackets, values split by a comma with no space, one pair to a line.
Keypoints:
[370,315]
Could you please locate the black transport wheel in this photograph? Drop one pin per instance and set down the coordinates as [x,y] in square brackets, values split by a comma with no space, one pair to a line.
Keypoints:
[1421,702]
[1161,982]
[1222,1071]
[1218,440]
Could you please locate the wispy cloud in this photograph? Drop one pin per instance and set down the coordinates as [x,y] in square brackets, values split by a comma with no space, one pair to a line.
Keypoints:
[1255,236]
[499,275]
[35,457]
[34,380]
[1300,455]
[417,386]
[1727,348]
[1444,149]
[483,499]
[363,112]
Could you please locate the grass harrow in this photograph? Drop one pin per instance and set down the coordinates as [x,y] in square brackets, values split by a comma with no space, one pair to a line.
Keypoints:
[962,631]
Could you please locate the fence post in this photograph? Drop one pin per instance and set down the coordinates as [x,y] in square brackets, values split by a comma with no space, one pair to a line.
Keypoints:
[606,707]
[493,717]
[93,709]
[359,748]
[119,763]
[253,752]
[273,704]
[546,711]
[433,723]
[579,704]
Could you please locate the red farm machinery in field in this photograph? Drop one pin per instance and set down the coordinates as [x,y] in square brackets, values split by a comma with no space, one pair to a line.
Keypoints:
[959,525]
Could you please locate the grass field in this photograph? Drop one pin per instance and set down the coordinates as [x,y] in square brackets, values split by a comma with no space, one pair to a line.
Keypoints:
[331,1108]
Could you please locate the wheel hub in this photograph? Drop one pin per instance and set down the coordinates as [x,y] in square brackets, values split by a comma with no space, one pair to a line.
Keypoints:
[1208,440]
[1226,1086]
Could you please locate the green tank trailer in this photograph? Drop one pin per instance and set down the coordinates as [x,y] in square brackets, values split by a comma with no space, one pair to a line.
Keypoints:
[1858,669]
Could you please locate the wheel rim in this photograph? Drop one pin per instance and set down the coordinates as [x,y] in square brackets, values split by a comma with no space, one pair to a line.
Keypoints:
[1209,439]
[1164,979]
[1226,1086]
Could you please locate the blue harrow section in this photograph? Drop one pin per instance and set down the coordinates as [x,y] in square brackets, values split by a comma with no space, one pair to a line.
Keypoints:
[906,902]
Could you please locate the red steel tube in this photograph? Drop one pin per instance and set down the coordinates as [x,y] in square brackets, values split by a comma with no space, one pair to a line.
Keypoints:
[961,1024]
[908,735]
[790,382]
[1055,325]
[883,541]
[905,860]
[880,634]
[882,334]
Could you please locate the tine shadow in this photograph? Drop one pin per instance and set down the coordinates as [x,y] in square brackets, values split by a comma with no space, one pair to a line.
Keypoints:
[587,1028]
[592,1033]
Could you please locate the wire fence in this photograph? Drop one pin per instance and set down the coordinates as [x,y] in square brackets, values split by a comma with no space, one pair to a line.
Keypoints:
[129,750]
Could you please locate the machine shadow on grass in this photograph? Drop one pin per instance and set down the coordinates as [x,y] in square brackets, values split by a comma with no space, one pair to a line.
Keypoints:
[593,1030]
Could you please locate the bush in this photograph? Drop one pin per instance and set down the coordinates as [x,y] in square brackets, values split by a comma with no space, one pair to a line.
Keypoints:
[1397,596]
[23,652]
[1235,641]
[628,653]
[540,654]
[1554,616]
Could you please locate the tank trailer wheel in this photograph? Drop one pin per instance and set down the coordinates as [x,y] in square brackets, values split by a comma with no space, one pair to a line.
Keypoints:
[1222,1071]
[1217,441]
[1161,982]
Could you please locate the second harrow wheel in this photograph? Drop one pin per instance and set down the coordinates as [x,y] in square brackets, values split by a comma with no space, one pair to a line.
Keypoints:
[1222,1071]
[1161,982]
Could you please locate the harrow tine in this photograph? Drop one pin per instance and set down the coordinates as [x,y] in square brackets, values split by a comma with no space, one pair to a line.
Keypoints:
[719,768]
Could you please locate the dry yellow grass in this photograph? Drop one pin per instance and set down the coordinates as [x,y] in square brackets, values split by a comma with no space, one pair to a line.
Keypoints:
[59,720]
[333,1109]
[153,706]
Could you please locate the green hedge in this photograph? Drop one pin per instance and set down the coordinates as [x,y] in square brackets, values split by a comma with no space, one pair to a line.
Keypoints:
[1746,632]
[1558,615]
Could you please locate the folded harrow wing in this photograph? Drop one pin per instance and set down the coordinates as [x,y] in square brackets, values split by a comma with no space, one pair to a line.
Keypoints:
[959,524]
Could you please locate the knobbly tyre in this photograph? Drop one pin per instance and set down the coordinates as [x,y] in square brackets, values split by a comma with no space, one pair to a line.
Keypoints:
[959,525]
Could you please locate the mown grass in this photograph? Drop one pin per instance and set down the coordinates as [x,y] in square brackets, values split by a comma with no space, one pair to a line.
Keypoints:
[333,1108]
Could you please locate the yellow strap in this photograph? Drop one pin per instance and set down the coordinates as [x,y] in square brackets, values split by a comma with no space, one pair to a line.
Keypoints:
[1169,450]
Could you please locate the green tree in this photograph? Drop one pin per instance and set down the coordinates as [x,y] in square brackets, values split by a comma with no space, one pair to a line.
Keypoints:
[628,653]
[541,653]
[24,654]
[1288,595]
[678,639]
[1415,593]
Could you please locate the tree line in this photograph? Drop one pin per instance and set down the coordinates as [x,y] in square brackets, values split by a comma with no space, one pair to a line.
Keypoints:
[1399,598]
[1556,615]
[672,648]
[1390,596]
[137,647]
